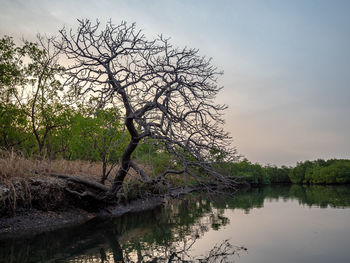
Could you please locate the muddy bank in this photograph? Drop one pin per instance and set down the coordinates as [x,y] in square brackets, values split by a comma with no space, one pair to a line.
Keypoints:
[43,204]
[34,221]
[34,205]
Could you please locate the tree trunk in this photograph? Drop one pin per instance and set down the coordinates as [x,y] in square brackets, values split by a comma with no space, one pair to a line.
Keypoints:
[104,171]
[124,169]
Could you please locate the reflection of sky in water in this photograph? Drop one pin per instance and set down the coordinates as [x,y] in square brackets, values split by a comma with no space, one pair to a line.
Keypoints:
[275,224]
[285,231]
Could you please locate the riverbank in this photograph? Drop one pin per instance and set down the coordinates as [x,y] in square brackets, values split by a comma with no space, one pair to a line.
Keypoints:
[34,221]
[33,201]
[38,204]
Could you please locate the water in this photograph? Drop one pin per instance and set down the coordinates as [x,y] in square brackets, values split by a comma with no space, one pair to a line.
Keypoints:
[270,224]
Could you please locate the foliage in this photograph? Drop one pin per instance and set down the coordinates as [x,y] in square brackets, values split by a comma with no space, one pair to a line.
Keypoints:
[29,89]
[154,154]
[338,172]
[36,116]
[11,72]
[320,171]
[277,174]
[13,127]
[252,173]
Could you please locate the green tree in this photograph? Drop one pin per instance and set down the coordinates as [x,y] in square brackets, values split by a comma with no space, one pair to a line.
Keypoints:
[30,89]
[44,104]
[253,172]
[13,120]
[276,174]
[297,174]
[97,137]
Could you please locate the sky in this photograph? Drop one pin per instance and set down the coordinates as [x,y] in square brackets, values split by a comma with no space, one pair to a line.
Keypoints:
[286,63]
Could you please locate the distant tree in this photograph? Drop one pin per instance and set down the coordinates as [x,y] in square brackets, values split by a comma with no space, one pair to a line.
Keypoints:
[29,82]
[297,174]
[277,174]
[166,94]
[43,103]
[13,121]
[337,172]
[10,68]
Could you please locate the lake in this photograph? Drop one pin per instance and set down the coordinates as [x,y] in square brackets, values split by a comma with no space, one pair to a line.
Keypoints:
[268,224]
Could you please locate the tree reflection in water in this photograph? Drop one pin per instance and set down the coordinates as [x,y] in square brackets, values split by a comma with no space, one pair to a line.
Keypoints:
[162,235]
[222,252]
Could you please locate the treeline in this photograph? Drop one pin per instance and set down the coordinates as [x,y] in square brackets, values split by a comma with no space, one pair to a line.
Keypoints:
[333,171]
[322,172]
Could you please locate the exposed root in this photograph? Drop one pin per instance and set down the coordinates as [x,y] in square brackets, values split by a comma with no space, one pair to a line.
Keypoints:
[86,182]
[85,194]
[88,190]
[13,193]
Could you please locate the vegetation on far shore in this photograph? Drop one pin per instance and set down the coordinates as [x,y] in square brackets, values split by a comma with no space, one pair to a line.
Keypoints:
[332,171]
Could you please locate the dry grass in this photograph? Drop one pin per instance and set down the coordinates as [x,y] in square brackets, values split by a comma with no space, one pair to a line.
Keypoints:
[24,181]
[15,166]
[17,172]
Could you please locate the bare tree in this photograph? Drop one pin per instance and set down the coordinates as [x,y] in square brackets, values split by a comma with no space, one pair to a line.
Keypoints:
[167,94]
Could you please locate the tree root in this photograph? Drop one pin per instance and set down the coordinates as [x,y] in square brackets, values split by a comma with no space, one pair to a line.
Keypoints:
[86,182]
[93,190]
[85,194]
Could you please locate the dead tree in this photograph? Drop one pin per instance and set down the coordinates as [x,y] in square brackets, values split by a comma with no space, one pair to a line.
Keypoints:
[166,93]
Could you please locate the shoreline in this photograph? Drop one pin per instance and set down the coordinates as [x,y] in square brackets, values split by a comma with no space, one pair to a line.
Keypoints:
[50,207]
[33,221]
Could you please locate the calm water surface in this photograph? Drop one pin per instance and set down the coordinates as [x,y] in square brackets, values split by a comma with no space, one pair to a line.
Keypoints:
[270,224]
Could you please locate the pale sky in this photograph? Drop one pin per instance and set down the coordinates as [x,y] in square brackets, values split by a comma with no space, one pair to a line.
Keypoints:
[286,63]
